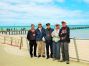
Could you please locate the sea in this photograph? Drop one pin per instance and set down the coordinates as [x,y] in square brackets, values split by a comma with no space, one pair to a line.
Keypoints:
[77,33]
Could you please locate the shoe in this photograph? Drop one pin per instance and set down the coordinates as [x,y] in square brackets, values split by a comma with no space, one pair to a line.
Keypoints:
[47,58]
[67,62]
[62,60]
[54,59]
[43,56]
[39,56]
[31,56]
[35,55]
[51,56]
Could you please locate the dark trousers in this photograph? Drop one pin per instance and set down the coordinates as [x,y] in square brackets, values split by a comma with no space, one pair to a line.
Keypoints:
[65,51]
[49,45]
[32,45]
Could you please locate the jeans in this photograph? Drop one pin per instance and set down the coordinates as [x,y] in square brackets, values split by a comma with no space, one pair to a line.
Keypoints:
[56,50]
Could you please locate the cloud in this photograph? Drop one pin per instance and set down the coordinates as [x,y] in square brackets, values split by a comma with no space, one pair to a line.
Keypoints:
[86,1]
[60,1]
[41,1]
[22,12]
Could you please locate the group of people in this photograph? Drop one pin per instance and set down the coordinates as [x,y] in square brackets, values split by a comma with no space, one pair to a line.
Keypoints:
[56,41]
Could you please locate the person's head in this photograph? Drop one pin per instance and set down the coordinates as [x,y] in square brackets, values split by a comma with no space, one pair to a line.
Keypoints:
[48,25]
[63,24]
[57,26]
[32,25]
[39,25]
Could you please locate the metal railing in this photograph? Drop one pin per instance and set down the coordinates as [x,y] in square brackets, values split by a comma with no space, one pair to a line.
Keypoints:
[79,49]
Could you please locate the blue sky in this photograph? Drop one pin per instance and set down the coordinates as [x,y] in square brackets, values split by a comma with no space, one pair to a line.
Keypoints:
[26,12]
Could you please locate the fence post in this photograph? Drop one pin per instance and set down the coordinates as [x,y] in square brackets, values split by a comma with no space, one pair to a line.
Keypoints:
[76,50]
[21,43]
[4,39]
[11,40]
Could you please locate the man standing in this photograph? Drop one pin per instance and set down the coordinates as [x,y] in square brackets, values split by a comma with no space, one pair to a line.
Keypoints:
[65,39]
[40,33]
[31,36]
[48,41]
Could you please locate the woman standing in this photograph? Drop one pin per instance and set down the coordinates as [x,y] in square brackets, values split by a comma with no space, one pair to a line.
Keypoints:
[56,43]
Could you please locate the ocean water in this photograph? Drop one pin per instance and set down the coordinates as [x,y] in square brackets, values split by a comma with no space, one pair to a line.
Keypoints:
[77,33]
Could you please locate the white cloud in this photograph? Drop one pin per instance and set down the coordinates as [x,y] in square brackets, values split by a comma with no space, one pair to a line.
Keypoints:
[61,1]
[86,1]
[41,1]
[39,13]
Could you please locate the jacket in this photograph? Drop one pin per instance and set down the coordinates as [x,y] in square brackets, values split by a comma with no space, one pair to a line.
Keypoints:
[30,35]
[40,34]
[48,33]
[65,34]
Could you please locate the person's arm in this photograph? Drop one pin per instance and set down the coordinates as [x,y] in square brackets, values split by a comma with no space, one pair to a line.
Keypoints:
[53,35]
[68,32]
[28,35]
[60,34]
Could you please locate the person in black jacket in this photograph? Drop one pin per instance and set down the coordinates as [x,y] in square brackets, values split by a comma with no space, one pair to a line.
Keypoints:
[48,41]
[65,40]
[31,36]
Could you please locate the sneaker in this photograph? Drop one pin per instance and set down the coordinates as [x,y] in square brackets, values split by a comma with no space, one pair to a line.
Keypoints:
[39,56]
[43,56]
[54,59]
[67,62]
[62,60]
[35,55]
[31,56]
[47,58]
[51,56]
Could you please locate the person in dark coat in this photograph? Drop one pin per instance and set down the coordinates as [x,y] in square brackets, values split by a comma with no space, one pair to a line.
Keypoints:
[48,40]
[31,36]
[65,40]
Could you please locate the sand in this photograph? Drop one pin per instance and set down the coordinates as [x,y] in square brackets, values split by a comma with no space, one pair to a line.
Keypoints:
[13,56]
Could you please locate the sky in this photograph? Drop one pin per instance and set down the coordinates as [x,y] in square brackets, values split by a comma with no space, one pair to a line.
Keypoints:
[26,12]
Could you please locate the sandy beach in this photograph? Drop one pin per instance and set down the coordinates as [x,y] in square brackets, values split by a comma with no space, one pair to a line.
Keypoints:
[13,56]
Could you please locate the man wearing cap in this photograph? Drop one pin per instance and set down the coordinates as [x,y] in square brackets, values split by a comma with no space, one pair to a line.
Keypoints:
[40,33]
[65,40]
[48,40]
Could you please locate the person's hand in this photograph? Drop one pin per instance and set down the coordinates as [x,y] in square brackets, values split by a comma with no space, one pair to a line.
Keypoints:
[33,34]
[48,35]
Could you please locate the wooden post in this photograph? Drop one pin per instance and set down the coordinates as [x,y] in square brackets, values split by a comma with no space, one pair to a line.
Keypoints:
[4,39]
[11,40]
[21,43]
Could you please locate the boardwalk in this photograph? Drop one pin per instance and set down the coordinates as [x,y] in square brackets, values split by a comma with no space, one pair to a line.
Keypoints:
[13,56]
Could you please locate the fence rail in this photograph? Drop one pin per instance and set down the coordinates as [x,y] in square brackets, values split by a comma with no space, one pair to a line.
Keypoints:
[14,32]
[13,41]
